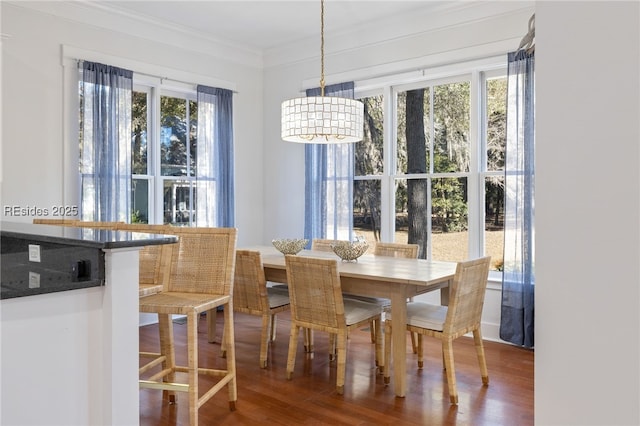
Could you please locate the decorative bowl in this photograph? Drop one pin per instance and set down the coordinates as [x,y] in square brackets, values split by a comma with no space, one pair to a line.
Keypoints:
[290,245]
[349,250]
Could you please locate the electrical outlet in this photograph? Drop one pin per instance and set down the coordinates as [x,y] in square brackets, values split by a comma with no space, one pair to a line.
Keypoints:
[34,253]
[34,280]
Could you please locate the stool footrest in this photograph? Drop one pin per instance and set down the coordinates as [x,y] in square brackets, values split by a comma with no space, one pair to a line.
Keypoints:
[150,384]
[204,398]
[159,359]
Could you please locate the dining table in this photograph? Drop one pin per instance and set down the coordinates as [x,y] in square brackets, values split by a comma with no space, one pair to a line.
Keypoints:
[393,278]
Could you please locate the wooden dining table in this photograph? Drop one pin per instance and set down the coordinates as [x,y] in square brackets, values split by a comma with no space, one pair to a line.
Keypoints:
[392,278]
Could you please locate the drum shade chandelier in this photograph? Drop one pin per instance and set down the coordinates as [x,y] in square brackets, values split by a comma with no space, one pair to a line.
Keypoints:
[322,119]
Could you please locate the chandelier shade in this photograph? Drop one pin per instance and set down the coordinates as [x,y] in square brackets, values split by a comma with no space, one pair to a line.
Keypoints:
[322,119]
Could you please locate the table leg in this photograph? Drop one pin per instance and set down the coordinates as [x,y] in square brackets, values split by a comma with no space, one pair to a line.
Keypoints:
[399,343]
[444,296]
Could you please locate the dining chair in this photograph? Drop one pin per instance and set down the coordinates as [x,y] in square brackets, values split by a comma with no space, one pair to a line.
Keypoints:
[317,244]
[321,244]
[154,262]
[252,296]
[447,323]
[408,251]
[316,300]
[200,279]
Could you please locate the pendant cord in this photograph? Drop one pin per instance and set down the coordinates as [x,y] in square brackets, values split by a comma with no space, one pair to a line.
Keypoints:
[321,47]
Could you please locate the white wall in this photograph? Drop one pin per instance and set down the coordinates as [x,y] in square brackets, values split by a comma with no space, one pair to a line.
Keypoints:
[33,135]
[587,195]
[587,213]
[463,39]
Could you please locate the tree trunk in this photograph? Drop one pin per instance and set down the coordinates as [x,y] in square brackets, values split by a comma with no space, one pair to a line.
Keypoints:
[417,189]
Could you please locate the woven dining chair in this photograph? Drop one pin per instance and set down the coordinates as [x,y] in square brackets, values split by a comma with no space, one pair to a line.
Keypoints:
[408,251]
[447,323]
[321,244]
[252,296]
[154,263]
[316,303]
[201,279]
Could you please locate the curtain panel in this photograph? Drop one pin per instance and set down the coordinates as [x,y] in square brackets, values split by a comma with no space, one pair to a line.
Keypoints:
[329,171]
[517,313]
[215,158]
[105,142]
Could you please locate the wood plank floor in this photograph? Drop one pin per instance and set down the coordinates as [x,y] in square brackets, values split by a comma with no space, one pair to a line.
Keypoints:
[266,397]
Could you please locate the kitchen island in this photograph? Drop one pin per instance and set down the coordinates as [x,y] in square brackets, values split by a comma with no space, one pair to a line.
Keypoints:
[69,324]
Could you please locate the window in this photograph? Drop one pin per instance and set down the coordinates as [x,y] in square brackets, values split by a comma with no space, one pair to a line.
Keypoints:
[164,157]
[154,150]
[430,167]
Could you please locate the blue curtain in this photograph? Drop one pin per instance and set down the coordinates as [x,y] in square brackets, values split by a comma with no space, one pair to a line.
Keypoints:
[517,313]
[105,157]
[215,158]
[329,173]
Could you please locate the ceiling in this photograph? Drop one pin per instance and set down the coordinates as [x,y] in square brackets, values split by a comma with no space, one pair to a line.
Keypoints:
[264,25]
[267,33]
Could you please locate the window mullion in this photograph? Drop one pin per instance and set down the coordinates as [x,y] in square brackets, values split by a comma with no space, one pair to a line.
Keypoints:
[387,197]
[154,147]
[475,193]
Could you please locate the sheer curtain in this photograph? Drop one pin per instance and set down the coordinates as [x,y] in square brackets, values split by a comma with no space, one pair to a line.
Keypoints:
[105,159]
[214,158]
[517,316]
[329,182]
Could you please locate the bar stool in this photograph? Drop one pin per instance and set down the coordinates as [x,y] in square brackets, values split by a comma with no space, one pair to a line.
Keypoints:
[200,279]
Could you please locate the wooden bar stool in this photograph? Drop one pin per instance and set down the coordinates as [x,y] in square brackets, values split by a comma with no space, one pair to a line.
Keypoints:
[200,279]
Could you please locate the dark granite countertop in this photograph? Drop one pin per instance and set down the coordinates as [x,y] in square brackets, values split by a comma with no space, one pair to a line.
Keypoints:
[68,258]
[83,237]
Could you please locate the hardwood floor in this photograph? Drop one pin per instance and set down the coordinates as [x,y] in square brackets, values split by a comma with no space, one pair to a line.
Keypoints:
[266,397]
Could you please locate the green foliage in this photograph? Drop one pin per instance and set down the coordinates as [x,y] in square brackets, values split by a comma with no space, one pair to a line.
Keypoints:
[179,121]
[435,141]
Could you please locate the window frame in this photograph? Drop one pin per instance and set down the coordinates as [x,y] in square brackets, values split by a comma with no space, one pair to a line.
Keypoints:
[156,89]
[477,73]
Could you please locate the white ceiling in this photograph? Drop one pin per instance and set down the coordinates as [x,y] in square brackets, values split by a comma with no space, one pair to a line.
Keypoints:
[264,25]
[267,33]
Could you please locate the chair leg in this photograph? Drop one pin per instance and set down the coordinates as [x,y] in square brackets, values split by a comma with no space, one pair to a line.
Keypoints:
[211,325]
[341,349]
[308,340]
[165,330]
[192,366]
[223,347]
[332,346]
[229,341]
[293,347]
[482,361]
[420,351]
[386,369]
[272,335]
[264,339]
[372,329]
[447,351]
[379,346]
[414,341]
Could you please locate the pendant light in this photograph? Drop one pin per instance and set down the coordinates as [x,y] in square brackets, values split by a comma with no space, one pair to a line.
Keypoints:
[322,119]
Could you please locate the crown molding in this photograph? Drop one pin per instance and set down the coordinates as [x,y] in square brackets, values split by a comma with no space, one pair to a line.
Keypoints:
[436,16]
[445,15]
[108,17]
